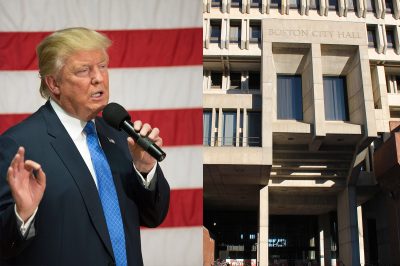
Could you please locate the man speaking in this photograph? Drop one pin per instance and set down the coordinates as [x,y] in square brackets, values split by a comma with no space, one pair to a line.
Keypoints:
[73,190]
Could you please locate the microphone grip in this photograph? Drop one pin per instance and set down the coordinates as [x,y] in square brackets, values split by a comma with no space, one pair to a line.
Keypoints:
[147,145]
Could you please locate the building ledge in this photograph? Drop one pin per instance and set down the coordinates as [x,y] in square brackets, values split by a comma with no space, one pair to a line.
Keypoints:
[237,155]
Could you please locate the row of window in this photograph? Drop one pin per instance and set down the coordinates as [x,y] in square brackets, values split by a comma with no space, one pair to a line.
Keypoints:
[333,5]
[235,31]
[231,129]
[232,80]
[289,106]
[377,36]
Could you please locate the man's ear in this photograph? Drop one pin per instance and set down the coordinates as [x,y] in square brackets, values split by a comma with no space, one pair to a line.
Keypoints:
[53,85]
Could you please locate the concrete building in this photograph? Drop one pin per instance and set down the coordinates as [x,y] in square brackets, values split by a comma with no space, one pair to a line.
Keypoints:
[300,98]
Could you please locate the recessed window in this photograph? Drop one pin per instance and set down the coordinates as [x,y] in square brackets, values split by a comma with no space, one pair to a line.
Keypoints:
[229,128]
[216,80]
[255,33]
[352,5]
[370,5]
[335,98]
[236,3]
[254,129]
[295,4]
[207,128]
[314,5]
[390,38]
[276,4]
[215,31]
[289,98]
[371,36]
[235,32]
[254,80]
[236,80]
[255,3]
[216,3]
[333,4]
[389,6]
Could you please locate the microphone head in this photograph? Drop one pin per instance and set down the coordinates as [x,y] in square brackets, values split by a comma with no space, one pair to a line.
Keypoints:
[114,114]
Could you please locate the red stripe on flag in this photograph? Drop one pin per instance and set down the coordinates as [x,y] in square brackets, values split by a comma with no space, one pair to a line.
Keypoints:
[185,208]
[178,127]
[131,48]
[9,120]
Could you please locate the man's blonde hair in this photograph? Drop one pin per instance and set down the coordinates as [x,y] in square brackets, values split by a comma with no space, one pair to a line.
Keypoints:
[57,47]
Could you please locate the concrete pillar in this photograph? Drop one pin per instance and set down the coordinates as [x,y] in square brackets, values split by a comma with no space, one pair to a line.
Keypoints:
[318,90]
[262,250]
[349,250]
[245,136]
[214,118]
[219,140]
[324,239]
[361,235]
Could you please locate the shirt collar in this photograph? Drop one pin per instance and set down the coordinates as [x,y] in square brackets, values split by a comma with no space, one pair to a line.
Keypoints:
[73,125]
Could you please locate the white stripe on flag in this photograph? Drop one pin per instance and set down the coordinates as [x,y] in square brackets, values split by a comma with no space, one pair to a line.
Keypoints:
[182,167]
[44,15]
[173,247]
[133,88]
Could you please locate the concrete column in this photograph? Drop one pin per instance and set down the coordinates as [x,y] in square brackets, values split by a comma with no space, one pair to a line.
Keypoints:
[318,90]
[213,129]
[245,136]
[224,6]
[237,127]
[219,134]
[361,235]
[268,88]
[262,250]
[206,33]
[324,239]
[225,33]
[349,248]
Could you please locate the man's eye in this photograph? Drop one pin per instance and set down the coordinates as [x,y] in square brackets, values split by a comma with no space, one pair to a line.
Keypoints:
[103,66]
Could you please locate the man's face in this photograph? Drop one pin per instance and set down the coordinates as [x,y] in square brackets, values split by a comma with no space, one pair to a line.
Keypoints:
[83,84]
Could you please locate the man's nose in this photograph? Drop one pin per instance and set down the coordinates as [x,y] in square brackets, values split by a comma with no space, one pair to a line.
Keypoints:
[96,75]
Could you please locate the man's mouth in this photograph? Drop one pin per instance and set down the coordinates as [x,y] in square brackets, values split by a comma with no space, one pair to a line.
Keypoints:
[97,94]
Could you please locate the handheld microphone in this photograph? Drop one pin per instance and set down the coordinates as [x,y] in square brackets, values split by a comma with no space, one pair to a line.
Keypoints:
[116,116]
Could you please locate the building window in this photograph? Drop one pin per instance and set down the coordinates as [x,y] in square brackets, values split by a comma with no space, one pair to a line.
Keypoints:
[236,3]
[352,5]
[390,38]
[229,128]
[335,98]
[275,4]
[393,84]
[207,128]
[254,81]
[255,32]
[333,4]
[254,129]
[289,98]
[216,3]
[235,80]
[255,3]
[371,5]
[234,32]
[215,31]
[371,36]
[389,6]
[295,4]
[314,5]
[216,80]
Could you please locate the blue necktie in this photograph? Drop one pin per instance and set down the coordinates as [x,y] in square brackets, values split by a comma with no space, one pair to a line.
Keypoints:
[108,195]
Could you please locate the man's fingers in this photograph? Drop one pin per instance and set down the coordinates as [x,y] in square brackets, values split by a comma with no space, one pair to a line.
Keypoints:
[154,134]
[145,130]
[37,170]
[21,153]
[137,125]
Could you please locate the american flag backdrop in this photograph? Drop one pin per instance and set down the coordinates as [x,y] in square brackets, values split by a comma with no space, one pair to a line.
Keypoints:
[155,73]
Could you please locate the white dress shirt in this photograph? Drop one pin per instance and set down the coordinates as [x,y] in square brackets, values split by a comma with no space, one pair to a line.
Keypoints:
[74,128]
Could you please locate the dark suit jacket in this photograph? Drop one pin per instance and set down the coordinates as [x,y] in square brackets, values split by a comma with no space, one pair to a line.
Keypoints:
[70,224]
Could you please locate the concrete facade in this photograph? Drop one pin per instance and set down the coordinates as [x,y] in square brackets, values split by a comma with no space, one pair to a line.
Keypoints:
[309,166]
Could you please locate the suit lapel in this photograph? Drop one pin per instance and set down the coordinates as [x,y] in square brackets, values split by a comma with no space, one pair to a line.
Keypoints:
[70,156]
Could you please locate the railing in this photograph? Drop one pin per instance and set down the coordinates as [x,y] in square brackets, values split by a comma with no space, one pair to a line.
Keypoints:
[232,141]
